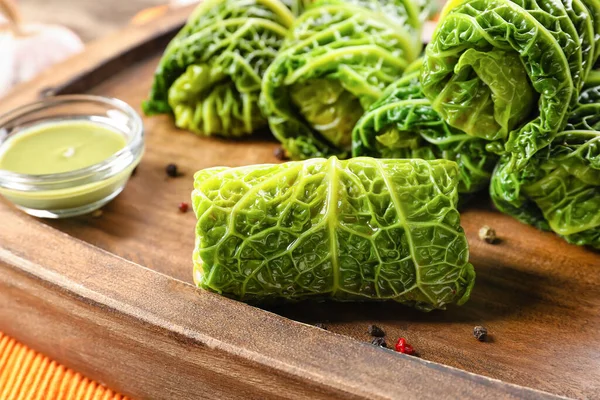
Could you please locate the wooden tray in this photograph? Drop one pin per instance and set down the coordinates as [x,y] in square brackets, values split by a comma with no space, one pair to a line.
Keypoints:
[113,297]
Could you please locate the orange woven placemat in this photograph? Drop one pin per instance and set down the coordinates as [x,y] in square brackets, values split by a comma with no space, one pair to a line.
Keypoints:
[26,374]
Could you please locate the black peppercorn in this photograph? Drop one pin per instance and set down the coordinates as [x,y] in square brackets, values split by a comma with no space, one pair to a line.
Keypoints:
[279,154]
[321,326]
[376,331]
[379,341]
[480,333]
[172,171]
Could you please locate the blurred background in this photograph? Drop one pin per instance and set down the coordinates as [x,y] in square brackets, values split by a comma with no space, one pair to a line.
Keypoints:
[35,34]
[90,19]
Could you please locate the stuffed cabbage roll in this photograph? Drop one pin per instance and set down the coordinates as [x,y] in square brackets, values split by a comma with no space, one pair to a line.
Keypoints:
[335,62]
[510,70]
[210,74]
[402,124]
[361,229]
[559,188]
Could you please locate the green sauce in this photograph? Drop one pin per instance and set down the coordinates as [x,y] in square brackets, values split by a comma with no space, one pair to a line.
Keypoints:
[59,147]
[55,147]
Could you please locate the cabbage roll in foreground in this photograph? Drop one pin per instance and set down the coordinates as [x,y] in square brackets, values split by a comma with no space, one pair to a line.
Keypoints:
[361,229]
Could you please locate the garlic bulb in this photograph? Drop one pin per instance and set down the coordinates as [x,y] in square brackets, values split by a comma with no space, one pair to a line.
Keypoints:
[7,62]
[26,49]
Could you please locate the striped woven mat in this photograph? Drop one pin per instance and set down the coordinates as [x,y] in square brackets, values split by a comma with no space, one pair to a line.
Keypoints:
[28,375]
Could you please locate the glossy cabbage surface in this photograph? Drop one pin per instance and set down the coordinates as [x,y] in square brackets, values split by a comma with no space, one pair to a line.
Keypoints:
[559,188]
[210,74]
[361,229]
[510,70]
[403,124]
[336,61]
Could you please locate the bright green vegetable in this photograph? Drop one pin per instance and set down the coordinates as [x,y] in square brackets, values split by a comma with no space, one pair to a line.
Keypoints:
[336,61]
[510,70]
[361,229]
[593,78]
[559,188]
[402,124]
[210,74]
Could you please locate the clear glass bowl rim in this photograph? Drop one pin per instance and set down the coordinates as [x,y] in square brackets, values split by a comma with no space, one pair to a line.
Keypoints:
[95,172]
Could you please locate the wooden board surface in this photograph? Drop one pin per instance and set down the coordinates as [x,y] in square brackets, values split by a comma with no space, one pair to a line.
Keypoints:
[538,296]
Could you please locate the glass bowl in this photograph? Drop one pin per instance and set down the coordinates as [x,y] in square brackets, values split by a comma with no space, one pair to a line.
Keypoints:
[84,190]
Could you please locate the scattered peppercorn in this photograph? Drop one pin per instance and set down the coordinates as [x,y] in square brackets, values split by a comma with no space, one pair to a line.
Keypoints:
[134,171]
[480,333]
[320,326]
[401,342]
[184,207]
[487,234]
[172,170]
[279,154]
[379,341]
[97,214]
[376,331]
[403,347]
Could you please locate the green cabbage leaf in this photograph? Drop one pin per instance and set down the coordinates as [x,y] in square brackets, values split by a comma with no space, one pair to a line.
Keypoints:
[360,229]
[511,70]
[559,188]
[403,124]
[210,74]
[336,61]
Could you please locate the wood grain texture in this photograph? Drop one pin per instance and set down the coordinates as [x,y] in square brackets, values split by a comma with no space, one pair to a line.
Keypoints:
[151,336]
[538,296]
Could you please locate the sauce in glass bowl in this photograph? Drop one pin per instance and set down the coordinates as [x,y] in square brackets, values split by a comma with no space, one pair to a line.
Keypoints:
[68,155]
